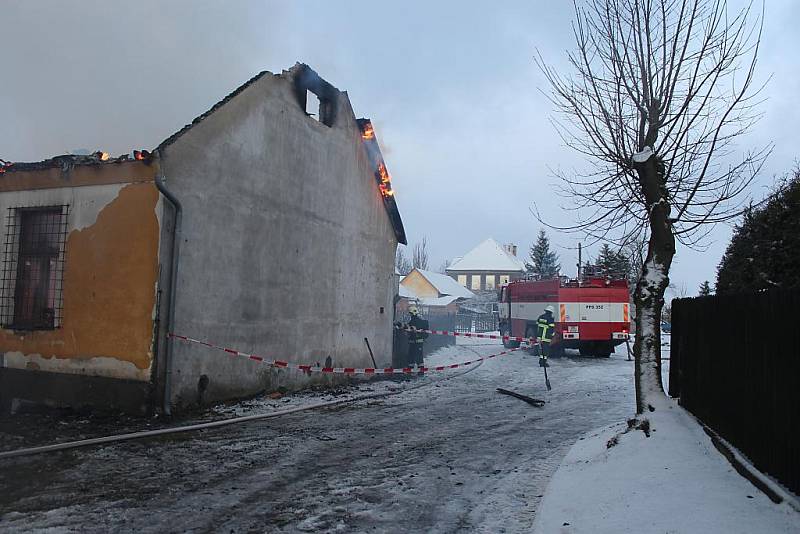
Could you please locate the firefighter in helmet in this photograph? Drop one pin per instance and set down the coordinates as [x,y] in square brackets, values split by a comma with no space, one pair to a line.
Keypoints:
[545,328]
[416,339]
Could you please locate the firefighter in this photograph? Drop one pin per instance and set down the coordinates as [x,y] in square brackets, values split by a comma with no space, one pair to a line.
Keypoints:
[416,339]
[545,328]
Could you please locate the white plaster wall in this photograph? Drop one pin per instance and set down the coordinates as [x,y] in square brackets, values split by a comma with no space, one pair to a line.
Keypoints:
[84,202]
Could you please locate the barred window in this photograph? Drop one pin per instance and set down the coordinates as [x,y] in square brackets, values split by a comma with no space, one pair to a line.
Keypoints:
[33,268]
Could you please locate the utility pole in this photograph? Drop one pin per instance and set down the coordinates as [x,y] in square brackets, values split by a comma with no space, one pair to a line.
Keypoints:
[579,264]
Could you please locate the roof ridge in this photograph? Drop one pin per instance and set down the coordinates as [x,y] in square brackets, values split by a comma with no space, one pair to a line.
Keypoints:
[174,137]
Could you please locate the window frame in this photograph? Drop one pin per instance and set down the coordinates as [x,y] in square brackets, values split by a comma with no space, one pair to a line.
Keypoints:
[34,259]
[472,282]
[493,285]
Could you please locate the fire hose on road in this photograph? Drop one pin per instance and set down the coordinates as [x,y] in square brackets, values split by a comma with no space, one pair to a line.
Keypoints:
[225,422]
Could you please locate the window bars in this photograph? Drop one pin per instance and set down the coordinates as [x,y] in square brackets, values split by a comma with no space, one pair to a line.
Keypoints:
[31,294]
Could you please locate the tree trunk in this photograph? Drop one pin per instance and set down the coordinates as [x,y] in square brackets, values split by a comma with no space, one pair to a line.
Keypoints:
[649,294]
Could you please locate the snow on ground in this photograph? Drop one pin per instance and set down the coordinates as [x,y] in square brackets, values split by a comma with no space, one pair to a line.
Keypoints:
[46,428]
[673,481]
[443,456]
[465,349]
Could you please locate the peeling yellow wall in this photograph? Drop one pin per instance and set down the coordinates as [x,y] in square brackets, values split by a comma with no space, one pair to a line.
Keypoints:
[110,277]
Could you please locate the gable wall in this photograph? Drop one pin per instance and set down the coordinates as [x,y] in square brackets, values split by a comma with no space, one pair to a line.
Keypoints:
[420,285]
[287,249]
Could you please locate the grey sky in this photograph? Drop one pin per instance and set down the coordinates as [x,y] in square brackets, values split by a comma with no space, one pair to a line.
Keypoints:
[450,86]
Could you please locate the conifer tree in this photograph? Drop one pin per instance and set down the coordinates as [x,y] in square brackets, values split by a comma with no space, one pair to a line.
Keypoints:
[764,252]
[705,289]
[613,263]
[543,262]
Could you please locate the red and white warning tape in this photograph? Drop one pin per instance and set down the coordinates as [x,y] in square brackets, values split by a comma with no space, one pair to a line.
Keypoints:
[338,370]
[529,340]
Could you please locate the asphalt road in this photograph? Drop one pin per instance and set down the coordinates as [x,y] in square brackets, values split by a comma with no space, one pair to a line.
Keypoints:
[448,456]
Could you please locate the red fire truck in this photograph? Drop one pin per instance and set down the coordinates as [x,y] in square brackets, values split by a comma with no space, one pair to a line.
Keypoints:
[591,315]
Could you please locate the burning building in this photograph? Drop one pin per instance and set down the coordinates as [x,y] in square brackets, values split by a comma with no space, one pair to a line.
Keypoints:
[265,225]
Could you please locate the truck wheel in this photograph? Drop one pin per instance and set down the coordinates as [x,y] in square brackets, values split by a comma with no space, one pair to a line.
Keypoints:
[585,351]
[604,350]
[507,343]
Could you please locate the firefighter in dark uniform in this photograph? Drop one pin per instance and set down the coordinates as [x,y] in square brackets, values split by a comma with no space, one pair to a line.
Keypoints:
[416,339]
[545,328]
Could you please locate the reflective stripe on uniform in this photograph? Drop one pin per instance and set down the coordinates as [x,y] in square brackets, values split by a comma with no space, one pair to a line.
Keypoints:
[543,330]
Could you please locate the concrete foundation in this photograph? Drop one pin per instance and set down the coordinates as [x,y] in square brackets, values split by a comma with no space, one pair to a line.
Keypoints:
[22,390]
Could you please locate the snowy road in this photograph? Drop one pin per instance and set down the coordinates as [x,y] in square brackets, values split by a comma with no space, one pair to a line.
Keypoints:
[448,456]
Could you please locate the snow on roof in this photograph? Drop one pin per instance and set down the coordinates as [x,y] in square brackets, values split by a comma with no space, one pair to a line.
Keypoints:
[446,285]
[406,292]
[488,256]
[438,301]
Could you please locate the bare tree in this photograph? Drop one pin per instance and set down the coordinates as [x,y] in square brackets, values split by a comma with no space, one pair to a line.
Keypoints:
[401,263]
[420,254]
[661,89]
[673,292]
[444,266]
[636,250]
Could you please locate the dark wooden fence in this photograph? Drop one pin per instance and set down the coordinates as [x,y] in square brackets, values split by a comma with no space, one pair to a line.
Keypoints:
[735,364]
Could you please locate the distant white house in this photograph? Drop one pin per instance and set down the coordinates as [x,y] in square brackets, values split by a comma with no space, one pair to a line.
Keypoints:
[487,266]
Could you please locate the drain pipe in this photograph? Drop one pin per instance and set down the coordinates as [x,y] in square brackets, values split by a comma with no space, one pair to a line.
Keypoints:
[176,246]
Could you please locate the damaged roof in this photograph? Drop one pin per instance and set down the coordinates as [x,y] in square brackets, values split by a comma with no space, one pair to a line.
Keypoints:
[300,71]
[375,158]
[174,137]
[67,161]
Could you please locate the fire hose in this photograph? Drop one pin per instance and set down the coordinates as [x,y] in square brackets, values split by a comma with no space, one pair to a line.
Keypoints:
[216,424]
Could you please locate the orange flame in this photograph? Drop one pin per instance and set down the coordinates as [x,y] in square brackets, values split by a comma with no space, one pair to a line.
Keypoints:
[104,156]
[386,181]
[140,155]
[384,173]
[369,132]
[385,185]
